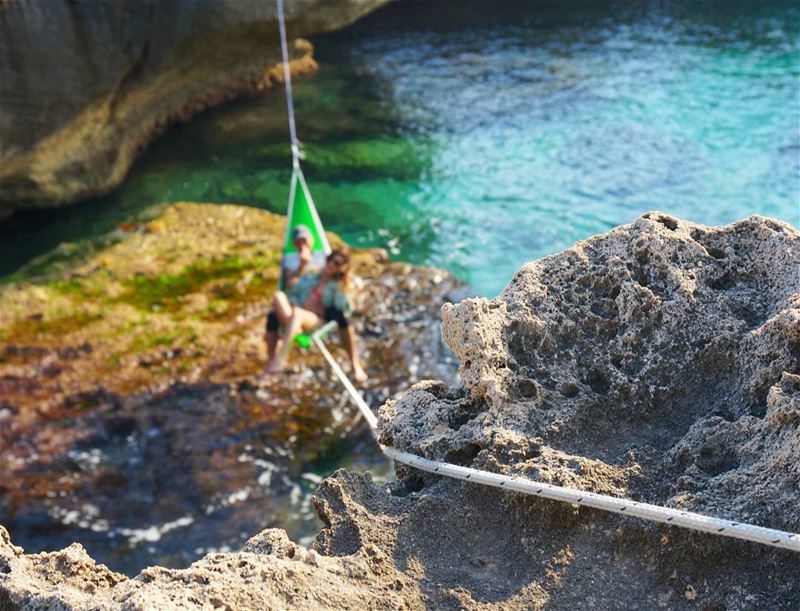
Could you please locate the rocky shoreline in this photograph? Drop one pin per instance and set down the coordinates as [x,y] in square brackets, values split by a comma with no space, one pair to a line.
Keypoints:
[138,355]
[660,362]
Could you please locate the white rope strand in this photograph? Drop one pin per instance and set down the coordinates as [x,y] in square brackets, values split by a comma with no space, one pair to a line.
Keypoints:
[287,79]
[369,416]
[655,513]
[645,511]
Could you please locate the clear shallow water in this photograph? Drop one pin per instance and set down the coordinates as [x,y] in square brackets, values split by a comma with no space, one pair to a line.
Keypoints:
[477,136]
[167,480]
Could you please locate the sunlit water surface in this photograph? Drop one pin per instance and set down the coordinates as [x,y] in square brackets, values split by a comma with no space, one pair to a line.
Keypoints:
[478,136]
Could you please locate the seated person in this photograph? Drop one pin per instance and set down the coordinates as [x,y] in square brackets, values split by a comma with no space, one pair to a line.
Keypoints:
[311,298]
[292,269]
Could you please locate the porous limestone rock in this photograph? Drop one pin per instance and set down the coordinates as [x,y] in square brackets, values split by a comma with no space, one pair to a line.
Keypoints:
[251,579]
[659,361]
[87,85]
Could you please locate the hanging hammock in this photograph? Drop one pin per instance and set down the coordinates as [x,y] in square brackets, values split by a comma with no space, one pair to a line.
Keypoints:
[302,212]
[301,205]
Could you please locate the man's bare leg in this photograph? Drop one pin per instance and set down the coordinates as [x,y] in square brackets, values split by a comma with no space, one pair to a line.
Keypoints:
[300,320]
[271,339]
[283,311]
[282,307]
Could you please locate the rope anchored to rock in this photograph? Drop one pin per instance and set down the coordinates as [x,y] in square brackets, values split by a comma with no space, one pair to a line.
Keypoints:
[655,513]
[645,511]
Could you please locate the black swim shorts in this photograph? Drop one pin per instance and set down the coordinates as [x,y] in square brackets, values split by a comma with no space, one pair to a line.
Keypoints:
[331,313]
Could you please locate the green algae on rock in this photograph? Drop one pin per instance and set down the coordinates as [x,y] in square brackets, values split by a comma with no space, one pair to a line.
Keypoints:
[196,279]
[157,329]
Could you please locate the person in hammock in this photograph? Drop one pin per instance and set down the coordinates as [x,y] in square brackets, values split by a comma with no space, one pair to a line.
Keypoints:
[312,297]
[304,243]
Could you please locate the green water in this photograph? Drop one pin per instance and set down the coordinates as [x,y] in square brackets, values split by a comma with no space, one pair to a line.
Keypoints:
[477,136]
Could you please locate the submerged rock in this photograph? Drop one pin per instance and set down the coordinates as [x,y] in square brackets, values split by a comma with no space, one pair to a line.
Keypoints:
[88,85]
[659,362]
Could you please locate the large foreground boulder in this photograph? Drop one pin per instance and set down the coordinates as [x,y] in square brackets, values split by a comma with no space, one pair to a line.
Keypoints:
[87,85]
[660,362]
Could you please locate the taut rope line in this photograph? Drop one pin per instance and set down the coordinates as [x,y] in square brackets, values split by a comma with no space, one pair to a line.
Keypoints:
[287,79]
[646,511]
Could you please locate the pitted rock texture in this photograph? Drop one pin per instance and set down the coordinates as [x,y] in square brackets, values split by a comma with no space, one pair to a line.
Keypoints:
[625,343]
[659,361]
[87,85]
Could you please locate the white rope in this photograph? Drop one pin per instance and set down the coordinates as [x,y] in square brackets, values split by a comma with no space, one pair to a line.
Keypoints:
[654,513]
[287,79]
[354,394]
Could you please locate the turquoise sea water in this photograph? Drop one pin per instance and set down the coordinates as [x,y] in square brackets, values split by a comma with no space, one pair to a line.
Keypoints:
[477,136]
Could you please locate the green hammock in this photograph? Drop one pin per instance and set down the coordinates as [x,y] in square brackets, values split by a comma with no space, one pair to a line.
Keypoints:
[302,212]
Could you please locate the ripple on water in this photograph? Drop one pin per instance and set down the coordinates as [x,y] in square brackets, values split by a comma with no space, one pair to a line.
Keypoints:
[478,139]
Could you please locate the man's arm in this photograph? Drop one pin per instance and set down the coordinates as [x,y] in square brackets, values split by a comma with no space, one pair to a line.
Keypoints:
[292,276]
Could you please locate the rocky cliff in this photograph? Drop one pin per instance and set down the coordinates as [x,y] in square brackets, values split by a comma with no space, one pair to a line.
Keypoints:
[87,85]
[659,362]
